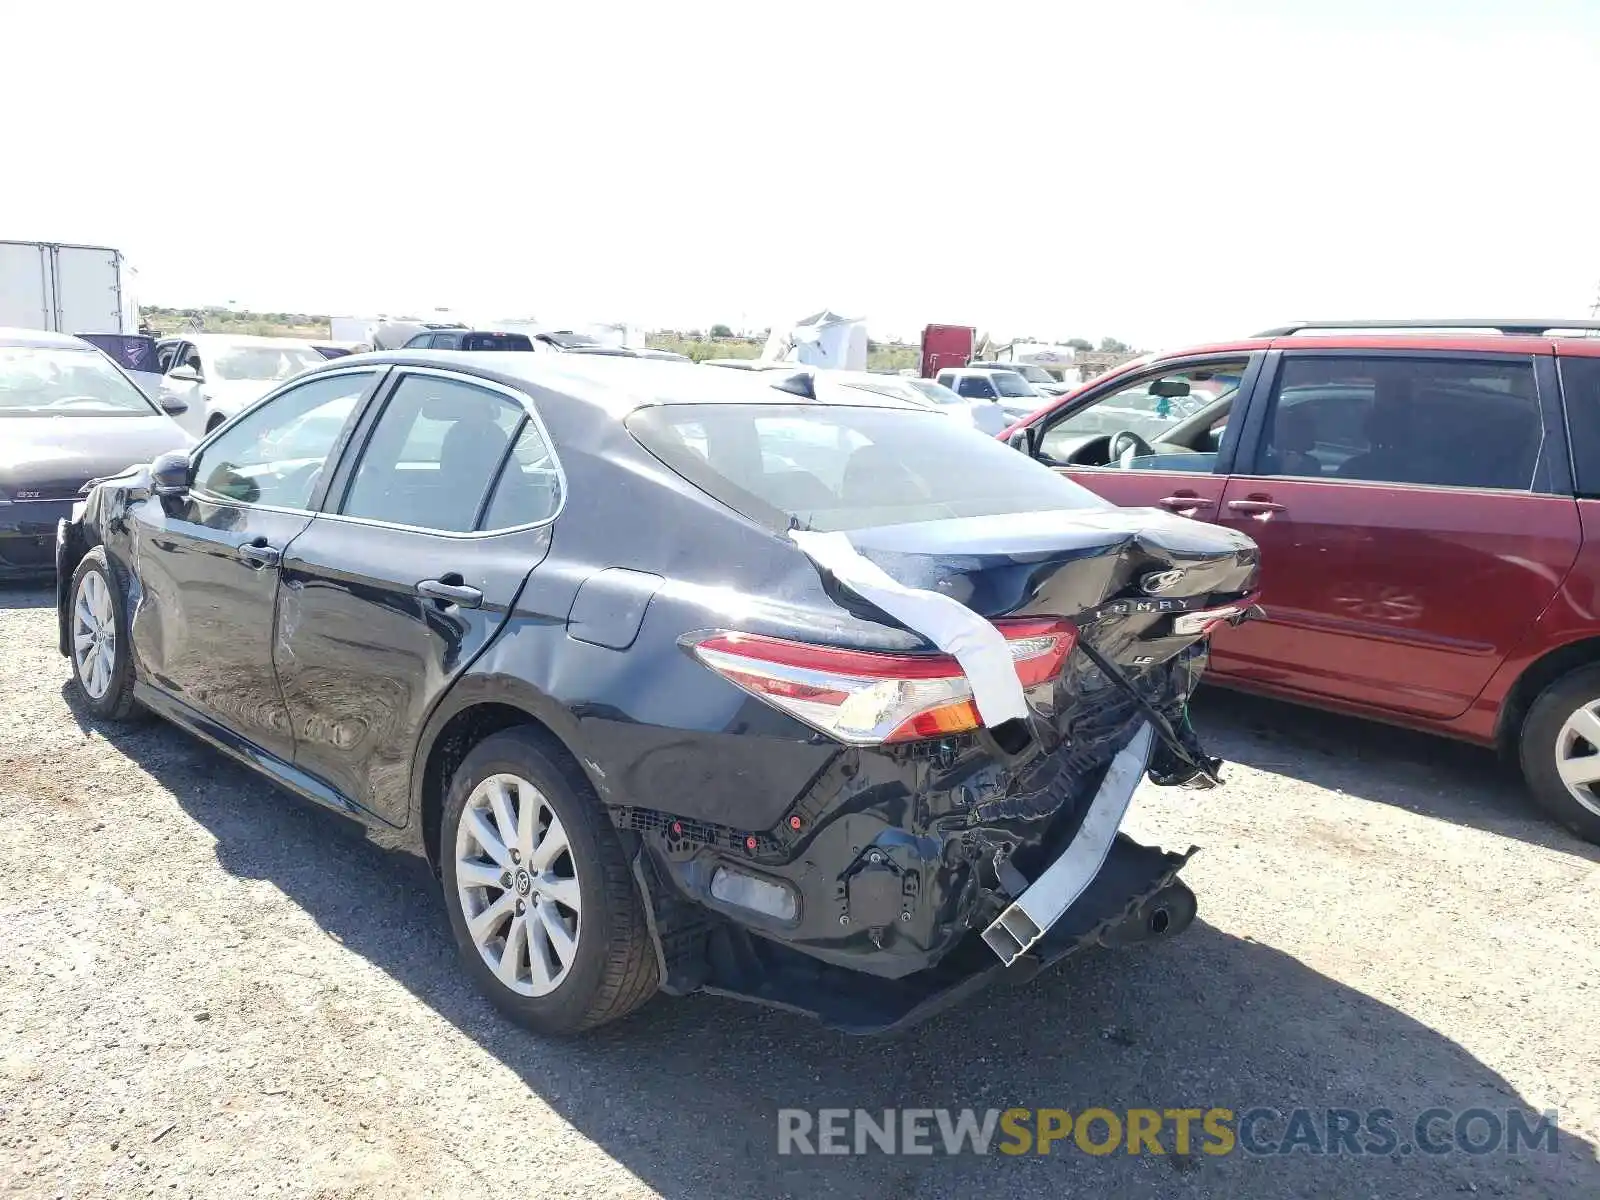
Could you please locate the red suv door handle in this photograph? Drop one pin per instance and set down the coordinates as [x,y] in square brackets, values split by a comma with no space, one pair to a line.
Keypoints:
[1184,503]
[1263,507]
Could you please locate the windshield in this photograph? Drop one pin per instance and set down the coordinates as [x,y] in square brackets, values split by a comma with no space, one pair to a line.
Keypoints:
[51,381]
[935,392]
[832,467]
[1035,374]
[265,364]
[1009,384]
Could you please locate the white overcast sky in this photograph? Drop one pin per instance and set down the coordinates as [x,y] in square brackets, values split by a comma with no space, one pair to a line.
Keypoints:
[1162,172]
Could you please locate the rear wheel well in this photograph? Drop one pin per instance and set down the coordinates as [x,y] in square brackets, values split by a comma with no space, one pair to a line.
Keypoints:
[455,741]
[1540,674]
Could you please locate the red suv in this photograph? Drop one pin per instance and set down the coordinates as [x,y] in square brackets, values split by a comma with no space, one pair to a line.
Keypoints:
[1426,496]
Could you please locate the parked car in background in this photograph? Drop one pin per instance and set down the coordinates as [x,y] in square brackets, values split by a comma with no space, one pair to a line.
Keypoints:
[600,639]
[982,415]
[218,374]
[1426,508]
[68,414]
[1014,395]
[469,339]
[1041,380]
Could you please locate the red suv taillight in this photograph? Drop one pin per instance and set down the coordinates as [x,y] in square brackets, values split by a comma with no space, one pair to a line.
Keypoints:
[867,698]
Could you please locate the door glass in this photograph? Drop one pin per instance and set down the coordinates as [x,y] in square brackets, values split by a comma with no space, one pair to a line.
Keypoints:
[275,455]
[529,488]
[1176,420]
[1444,422]
[433,454]
[975,387]
[1580,385]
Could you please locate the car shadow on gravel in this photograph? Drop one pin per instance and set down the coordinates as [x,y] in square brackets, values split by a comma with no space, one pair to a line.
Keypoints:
[1433,776]
[685,1094]
[19,596]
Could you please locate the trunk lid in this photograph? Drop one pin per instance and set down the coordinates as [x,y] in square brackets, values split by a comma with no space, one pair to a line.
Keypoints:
[1066,563]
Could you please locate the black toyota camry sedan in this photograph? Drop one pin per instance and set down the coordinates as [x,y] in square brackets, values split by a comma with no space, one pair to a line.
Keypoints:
[681,679]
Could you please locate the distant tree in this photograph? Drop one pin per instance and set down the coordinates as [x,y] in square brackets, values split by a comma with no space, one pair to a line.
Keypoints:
[1110,345]
[1083,344]
[721,331]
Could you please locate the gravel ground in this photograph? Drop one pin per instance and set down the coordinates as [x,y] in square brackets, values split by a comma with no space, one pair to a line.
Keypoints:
[208,989]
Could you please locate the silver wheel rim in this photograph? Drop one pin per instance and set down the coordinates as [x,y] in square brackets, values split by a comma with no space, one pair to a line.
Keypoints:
[1578,755]
[517,883]
[94,634]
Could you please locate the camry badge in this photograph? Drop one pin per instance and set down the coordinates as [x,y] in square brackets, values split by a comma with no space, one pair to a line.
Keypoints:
[1161,581]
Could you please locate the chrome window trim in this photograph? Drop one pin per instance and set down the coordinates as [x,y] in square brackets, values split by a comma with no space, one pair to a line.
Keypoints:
[510,393]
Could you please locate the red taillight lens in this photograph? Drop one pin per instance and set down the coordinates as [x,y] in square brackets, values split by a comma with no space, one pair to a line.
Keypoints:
[866,698]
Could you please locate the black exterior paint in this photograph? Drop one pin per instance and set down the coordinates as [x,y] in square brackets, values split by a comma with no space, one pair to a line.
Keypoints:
[332,675]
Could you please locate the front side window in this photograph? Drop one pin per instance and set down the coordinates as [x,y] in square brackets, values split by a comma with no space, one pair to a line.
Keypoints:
[50,381]
[275,454]
[975,387]
[1155,409]
[434,454]
[1437,421]
[832,467]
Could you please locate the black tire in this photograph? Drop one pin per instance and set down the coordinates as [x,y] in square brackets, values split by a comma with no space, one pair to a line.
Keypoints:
[1541,746]
[613,970]
[116,702]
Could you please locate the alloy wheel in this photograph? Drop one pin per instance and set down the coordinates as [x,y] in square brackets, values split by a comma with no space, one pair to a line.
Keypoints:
[517,884]
[94,634]
[1578,755]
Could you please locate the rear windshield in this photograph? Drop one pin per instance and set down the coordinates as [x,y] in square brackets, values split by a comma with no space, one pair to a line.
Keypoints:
[832,467]
[496,341]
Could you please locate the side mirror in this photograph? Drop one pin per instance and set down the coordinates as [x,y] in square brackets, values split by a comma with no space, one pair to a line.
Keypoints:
[1022,439]
[1172,389]
[173,404]
[184,375]
[171,473]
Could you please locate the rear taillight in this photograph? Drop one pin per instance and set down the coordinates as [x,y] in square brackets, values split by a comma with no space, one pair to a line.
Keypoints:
[866,698]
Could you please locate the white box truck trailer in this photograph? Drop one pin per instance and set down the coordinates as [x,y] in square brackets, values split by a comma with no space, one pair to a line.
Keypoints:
[66,288]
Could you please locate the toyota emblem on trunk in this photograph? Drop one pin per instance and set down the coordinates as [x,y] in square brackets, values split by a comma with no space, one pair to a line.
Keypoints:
[1161,581]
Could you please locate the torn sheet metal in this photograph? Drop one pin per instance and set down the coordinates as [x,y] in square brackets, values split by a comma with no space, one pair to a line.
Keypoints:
[950,625]
[1030,916]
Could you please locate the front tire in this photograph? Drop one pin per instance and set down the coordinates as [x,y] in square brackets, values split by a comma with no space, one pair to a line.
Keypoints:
[541,901]
[1560,751]
[98,638]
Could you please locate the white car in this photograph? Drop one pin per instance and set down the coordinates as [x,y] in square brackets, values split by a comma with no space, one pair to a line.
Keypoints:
[219,374]
[984,416]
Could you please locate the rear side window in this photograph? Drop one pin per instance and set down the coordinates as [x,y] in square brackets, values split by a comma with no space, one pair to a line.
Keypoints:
[434,454]
[838,468]
[1435,421]
[496,341]
[529,487]
[1580,388]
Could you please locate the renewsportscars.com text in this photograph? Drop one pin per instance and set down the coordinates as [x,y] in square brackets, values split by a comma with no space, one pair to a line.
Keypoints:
[1214,1131]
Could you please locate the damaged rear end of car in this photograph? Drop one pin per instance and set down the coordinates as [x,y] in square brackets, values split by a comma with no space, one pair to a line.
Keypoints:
[932,849]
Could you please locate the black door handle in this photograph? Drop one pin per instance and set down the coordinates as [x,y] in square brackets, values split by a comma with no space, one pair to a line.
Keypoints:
[259,554]
[450,593]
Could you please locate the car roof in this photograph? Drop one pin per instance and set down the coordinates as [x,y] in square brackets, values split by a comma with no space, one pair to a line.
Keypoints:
[617,386]
[238,339]
[41,338]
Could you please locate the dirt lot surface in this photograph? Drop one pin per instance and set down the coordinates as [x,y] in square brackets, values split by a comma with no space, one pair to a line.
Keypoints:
[208,989]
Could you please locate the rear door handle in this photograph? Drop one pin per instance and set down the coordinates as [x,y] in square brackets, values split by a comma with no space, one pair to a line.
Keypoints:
[1180,503]
[259,554]
[1263,507]
[450,593]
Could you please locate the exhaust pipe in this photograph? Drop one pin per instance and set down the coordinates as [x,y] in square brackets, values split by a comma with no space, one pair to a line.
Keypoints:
[1166,914]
